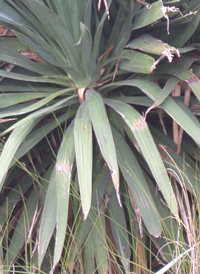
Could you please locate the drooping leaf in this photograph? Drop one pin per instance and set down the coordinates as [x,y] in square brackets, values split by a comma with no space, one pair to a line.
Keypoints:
[148,148]
[191,126]
[23,97]
[83,149]
[11,146]
[40,113]
[9,55]
[63,173]
[103,134]
[137,185]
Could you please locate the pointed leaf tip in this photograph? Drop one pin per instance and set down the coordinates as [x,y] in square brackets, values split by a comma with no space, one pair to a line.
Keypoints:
[85,215]
[118,198]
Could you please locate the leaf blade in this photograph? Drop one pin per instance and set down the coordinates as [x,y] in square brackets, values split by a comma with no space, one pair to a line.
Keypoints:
[63,173]
[148,148]
[83,150]
[103,134]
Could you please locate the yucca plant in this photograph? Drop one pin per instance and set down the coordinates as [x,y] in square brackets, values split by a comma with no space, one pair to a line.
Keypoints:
[75,116]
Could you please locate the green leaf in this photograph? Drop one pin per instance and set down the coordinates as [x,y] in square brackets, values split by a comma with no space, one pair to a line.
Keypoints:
[123,30]
[75,20]
[45,50]
[10,16]
[56,28]
[41,113]
[12,145]
[84,227]
[14,43]
[85,45]
[60,79]
[97,38]
[48,219]
[184,36]
[11,99]
[148,149]
[9,55]
[22,229]
[18,98]
[99,236]
[119,230]
[63,173]
[37,135]
[64,11]
[137,184]
[148,15]
[167,89]
[103,134]
[148,43]
[88,253]
[183,74]
[134,61]
[191,126]
[83,149]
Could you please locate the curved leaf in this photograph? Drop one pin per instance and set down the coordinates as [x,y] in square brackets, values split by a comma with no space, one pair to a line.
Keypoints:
[12,145]
[137,185]
[148,149]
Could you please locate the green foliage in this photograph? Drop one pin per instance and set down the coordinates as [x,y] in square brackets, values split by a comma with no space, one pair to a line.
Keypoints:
[82,158]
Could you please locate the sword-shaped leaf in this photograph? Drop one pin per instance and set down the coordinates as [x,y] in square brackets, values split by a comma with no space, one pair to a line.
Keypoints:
[119,230]
[83,149]
[11,99]
[10,55]
[84,227]
[185,35]
[48,220]
[63,172]
[11,146]
[137,184]
[147,147]
[99,242]
[85,46]
[55,26]
[58,79]
[40,113]
[103,134]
